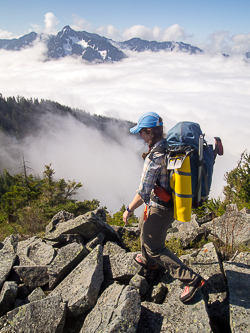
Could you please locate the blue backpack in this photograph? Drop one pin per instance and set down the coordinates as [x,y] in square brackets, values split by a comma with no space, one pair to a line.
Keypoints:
[186,138]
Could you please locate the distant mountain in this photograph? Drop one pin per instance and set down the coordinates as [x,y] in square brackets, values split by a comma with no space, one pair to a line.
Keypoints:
[139,45]
[92,47]
[18,44]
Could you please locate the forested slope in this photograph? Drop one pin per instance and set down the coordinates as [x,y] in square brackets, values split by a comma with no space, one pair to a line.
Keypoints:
[20,117]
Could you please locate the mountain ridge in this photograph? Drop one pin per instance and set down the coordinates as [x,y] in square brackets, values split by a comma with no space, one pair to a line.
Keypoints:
[91,46]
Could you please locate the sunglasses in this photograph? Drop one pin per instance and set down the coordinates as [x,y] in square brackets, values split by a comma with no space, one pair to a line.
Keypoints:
[142,130]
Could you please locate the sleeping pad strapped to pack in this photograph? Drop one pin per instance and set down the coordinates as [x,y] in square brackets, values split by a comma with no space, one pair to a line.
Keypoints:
[181,185]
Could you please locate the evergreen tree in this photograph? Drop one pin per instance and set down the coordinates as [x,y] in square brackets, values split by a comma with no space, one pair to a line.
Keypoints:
[237,189]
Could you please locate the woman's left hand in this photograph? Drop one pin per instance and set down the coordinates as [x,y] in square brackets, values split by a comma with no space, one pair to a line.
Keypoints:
[135,203]
[126,216]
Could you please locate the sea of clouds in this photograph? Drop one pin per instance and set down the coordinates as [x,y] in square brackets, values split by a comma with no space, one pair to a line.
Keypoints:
[211,90]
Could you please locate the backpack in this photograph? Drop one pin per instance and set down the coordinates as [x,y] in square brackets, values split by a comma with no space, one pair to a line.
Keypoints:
[190,160]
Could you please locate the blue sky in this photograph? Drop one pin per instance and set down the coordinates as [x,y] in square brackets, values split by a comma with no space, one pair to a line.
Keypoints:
[196,19]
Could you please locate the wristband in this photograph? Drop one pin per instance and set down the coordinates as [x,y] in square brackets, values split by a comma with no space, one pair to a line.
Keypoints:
[128,210]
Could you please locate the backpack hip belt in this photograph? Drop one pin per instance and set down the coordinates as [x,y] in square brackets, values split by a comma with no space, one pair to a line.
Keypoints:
[168,204]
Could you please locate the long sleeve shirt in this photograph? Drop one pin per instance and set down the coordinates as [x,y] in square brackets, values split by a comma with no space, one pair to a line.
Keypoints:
[154,170]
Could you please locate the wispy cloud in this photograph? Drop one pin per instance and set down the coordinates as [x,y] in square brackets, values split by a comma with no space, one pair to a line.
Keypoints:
[109,31]
[80,24]
[50,22]
[241,43]
[211,90]
[223,42]
[173,33]
[4,34]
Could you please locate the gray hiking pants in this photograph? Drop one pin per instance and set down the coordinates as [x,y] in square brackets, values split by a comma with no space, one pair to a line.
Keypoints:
[153,236]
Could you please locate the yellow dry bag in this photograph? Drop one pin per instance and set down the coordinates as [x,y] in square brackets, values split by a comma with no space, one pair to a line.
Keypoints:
[181,185]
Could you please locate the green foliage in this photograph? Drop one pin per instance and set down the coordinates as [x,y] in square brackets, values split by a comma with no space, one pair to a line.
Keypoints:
[56,193]
[237,190]
[132,243]
[117,219]
[6,180]
[244,248]
[174,245]
[28,203]
[201,242]
[210,205]
[31,219]
[81,207]
[6,229]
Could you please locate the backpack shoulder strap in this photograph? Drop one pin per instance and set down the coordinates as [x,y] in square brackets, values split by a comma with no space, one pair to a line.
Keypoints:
[158,149]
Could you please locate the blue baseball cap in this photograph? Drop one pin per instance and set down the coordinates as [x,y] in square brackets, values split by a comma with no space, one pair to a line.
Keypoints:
[147,120]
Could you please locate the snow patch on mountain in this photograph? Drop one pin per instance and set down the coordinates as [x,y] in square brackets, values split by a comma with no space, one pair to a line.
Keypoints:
[83,43]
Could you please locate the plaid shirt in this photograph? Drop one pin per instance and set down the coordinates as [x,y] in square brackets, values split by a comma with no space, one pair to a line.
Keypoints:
[154,169]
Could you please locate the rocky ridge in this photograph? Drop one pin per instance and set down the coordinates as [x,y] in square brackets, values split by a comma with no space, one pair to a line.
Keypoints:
[80,278]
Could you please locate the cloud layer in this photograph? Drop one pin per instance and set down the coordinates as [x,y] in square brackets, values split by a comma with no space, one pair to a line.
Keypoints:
[211,90]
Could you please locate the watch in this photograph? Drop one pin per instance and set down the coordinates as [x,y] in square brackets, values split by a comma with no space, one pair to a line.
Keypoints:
[128,210]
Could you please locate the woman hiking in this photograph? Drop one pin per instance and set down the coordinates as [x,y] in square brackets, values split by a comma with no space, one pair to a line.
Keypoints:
[158,215]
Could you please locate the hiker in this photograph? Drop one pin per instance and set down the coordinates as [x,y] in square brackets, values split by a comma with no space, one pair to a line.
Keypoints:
[158,214]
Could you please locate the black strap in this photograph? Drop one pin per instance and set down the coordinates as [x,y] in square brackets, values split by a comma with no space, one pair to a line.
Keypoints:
[158,149]
[199,182]
[172,151]
[168,204]
[205,180]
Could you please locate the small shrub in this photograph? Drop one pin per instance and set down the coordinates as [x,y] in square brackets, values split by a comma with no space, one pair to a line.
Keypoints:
[174,245]
[132,243]
[200,243]
[6,229]
[215,206]
[32,220]
[244,248]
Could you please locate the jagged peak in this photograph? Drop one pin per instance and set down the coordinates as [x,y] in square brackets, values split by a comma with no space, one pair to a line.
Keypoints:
[66,31]
[67,28]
